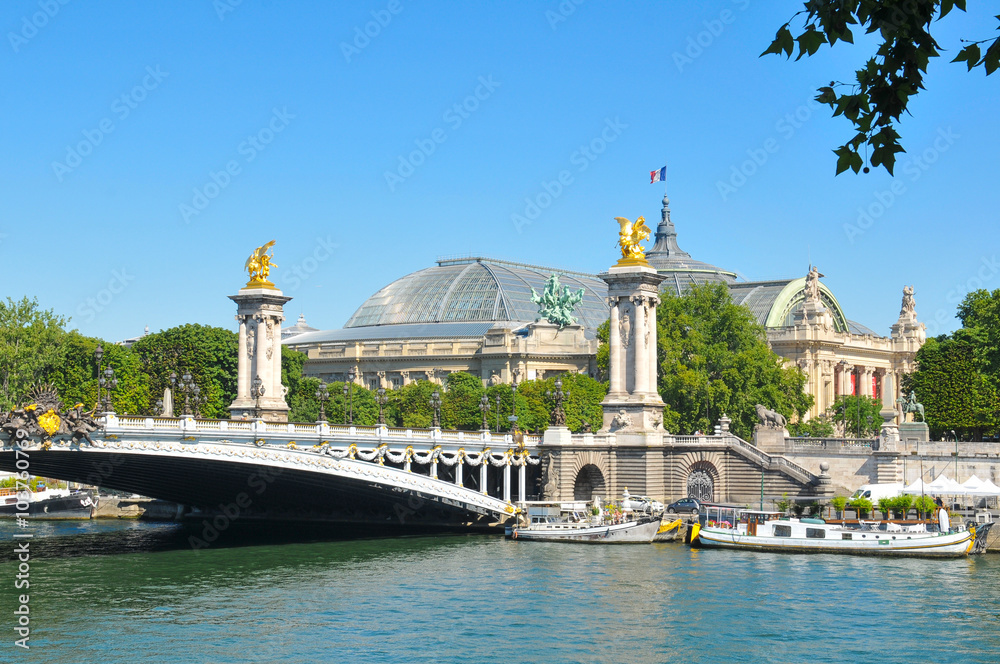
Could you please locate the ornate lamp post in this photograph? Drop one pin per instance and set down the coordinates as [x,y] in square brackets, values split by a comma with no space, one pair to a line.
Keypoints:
[188,387]
[484,408]
[159,406]
[349,395]
[381,400]
[98,355]
[323,394]
[109,383]
[435,403]
[513,407]
[256,392]
[197,401]
[558,418]
[497,410]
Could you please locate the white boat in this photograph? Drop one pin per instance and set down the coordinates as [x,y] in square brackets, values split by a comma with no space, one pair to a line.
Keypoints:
[562,522]
[734,528]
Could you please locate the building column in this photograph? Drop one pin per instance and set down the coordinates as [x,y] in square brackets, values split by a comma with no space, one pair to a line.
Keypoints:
[483,465]
[275,341]
[522,478]
[653,361]
[243,376]
[641,385]
[458,471]
[614,348]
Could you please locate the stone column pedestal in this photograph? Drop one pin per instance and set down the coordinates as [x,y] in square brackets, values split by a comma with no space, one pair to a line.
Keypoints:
[260,313]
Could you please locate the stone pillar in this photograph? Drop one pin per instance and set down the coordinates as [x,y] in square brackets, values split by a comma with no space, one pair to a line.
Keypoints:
[458,472]
[640,341]
[654,363]
[242,370]
[522,478]
[614,348]
[260,312]
[635,406]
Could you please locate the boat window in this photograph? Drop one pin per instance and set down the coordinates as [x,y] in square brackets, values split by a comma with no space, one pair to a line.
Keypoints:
[815,533]
[782,531]
[846,536]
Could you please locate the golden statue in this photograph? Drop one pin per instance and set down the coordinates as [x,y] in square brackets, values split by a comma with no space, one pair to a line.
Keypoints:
[629,238]
[259,265]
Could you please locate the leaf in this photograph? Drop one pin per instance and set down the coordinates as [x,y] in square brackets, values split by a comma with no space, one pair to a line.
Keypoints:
[969,54]
[783,42]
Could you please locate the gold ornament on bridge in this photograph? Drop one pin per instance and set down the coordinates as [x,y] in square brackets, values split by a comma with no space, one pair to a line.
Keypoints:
[49,421]
[259,265]
[629,237]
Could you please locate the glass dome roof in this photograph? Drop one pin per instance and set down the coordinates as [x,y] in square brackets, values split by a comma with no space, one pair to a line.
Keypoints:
[476,289]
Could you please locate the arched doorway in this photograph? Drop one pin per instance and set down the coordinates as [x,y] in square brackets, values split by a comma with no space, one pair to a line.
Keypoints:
[701,482]
[589,483]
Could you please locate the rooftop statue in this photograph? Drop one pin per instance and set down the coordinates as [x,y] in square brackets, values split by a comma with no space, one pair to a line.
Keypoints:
[629,237]
[556,303]
[812,284]
[259,265]
[909,308]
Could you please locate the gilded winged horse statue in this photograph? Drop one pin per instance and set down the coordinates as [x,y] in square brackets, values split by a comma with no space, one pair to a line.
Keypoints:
[259,265]
[629,238]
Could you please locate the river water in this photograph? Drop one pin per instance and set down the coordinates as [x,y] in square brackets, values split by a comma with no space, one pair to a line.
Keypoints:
[121,591]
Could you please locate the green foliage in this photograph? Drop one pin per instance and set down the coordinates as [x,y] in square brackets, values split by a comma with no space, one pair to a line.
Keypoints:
[603,350]
[901,505]
[460,402]
[784,503]
[924,505]
[209,354]
[980,316]
[862,506]
[30,345]
[410,405]
[858,415]
[839,503]
[890,79]
[816,427]
[714,359]
[885,506]
[955,393]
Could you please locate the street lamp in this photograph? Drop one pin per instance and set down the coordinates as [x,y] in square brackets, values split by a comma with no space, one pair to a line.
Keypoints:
[188,387]
[323,394]
[197,401]
[497,410]
[98,354]
[513,407]
[109,383]
[256,392]
[349,395]
[484,408]
[381,400]
[435,403]
[558,418]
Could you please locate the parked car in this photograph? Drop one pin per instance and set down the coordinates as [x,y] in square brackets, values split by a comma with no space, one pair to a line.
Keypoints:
[642,504]
[684,505]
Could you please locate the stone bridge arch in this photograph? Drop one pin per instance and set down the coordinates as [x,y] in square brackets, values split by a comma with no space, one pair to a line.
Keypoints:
[591,476]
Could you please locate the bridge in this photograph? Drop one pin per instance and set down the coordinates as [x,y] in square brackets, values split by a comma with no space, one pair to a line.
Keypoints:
[296,472]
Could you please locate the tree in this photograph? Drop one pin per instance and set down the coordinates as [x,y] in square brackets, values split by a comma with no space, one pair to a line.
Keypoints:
[30,346]
[815,427]
[980,316]
[409,406]
[955,393]
[714,359]
[460,402]
[889,79]
[208,353]
[858,415]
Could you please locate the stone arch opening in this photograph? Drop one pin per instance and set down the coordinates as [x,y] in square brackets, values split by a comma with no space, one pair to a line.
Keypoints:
[701,481]
[589,483]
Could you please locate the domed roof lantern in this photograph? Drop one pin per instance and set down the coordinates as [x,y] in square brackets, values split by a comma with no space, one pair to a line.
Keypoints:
[666,235]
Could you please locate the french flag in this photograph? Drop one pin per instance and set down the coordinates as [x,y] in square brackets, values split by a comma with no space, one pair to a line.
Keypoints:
[658,176]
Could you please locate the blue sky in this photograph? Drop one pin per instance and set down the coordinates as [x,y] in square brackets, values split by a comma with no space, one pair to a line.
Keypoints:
[149,147]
